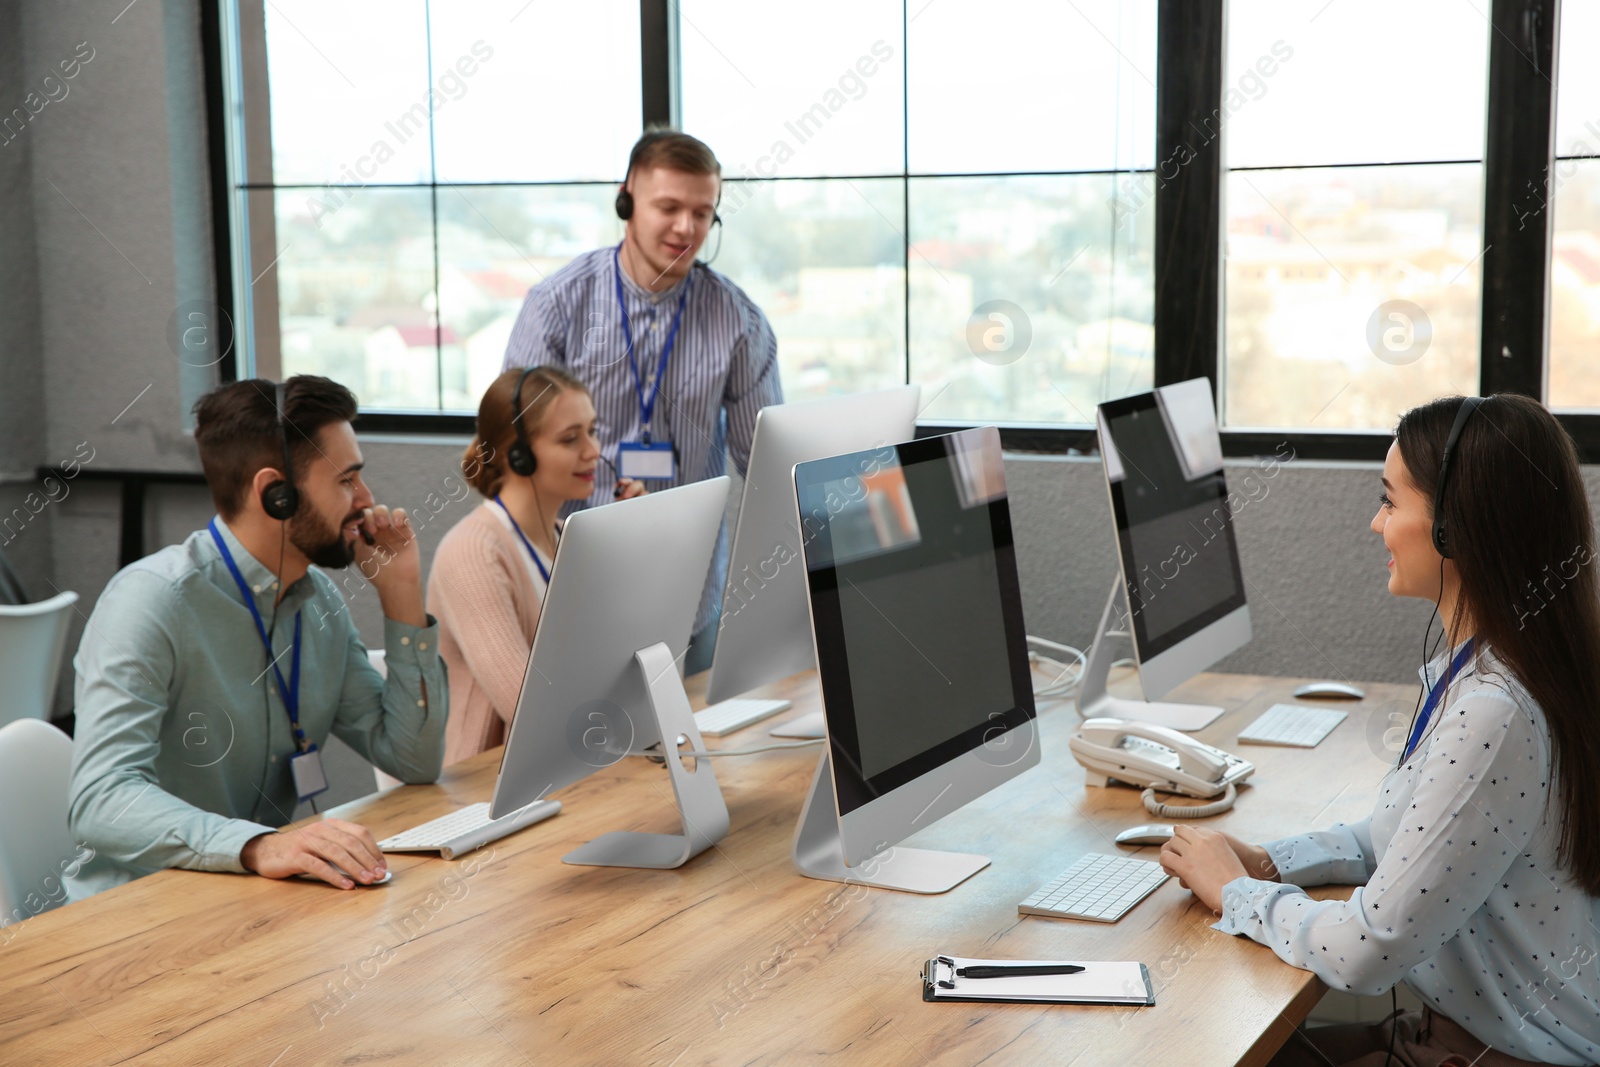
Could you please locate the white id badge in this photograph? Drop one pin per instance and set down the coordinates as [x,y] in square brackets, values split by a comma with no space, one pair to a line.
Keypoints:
[654,460]
[309,780]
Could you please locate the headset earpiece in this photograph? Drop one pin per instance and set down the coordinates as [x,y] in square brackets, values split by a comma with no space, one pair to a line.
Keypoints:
[624,202]
[520,456]
[280,500]
[1440,541]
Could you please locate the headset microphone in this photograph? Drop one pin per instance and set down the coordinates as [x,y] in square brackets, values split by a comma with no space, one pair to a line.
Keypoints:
[616,473]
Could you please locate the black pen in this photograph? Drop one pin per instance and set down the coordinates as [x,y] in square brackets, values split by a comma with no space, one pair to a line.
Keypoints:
[1018,972]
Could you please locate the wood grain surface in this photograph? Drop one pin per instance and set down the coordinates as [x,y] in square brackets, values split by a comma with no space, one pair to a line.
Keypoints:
[509,956]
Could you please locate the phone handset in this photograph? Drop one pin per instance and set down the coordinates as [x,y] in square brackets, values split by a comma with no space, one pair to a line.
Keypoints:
[1194,757]
[1158,757]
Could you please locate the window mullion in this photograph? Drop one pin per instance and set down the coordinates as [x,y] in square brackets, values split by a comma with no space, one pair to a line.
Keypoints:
[658,63]
[1518,150]
[1188,179]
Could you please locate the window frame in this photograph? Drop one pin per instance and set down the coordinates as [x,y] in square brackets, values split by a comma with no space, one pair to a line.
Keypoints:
[1519,154]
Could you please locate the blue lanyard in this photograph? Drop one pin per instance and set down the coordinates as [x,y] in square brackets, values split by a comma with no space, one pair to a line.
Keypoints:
[646,406]
[1434,694]
[290,691]
[537,562]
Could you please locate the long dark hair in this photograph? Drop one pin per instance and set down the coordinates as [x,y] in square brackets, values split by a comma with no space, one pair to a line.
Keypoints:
[1517,519]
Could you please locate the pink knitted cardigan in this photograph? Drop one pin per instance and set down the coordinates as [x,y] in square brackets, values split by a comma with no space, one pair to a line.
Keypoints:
[487,604]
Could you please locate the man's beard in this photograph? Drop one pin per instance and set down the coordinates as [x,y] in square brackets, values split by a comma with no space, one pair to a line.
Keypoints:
[321,543]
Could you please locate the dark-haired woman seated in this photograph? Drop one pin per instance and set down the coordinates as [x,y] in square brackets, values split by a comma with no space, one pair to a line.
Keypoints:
[1479,869]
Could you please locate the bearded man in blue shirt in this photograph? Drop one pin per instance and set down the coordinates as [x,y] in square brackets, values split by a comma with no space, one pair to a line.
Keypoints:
[212,672]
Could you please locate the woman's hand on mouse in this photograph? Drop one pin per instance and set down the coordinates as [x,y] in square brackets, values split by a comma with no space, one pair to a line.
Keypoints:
[1203,861]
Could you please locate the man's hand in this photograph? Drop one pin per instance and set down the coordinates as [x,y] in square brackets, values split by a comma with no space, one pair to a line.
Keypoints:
[1204,861]
[628,488]
[392,563]
[314,849]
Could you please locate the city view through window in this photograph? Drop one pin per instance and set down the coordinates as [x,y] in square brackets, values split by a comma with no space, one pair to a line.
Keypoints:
[905,206]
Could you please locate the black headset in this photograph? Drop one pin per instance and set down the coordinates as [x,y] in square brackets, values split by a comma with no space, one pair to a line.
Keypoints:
[520,456]
[1468,406]
[625,198]
[281,499]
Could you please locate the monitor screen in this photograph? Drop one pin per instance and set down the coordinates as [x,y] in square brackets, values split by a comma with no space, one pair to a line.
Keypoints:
[1180,562]
[921,648]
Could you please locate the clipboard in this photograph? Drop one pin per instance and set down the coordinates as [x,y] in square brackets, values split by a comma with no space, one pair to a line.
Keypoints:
[1099,982]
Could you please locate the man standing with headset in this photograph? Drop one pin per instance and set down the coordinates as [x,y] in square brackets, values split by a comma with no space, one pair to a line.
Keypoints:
[677,358]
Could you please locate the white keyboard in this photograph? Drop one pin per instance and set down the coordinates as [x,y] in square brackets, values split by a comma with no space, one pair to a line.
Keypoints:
[466,829]
[1292,724]
[1099,888]
[731,715]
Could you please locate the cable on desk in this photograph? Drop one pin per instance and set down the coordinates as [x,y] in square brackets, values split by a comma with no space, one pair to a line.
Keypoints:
[652,752]
[1056,687]
[1188,811]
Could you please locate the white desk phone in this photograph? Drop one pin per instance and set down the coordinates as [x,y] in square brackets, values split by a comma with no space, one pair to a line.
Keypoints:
[1156,757]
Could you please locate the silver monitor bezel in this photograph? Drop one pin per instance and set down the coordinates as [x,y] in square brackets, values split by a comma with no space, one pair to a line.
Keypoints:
[627,575]
[872,818]
[1175,662]
[766,636]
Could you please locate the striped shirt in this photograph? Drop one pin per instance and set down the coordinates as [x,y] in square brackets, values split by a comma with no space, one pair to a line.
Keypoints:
[723,369]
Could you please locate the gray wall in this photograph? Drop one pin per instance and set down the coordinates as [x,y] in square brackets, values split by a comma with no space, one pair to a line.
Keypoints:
[26,541]
[107,211]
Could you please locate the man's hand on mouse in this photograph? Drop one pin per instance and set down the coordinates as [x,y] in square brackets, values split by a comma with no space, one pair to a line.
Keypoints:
[314,849]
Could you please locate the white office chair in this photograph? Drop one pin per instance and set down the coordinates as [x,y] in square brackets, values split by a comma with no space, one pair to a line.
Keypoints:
[35,845]
[33,638]
[375,656]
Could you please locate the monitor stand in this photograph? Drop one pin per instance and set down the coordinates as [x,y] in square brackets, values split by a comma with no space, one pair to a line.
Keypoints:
[819,853]
[1095,702]
[699,799]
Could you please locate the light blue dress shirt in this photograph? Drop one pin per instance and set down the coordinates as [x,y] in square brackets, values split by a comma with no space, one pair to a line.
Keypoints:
[182,744]
[1460,897]
[723,369]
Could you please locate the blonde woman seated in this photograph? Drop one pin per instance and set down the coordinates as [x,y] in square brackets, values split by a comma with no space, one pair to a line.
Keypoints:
[535,449]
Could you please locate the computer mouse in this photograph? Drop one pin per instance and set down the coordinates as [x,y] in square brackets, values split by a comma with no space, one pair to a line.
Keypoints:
[1156,833]
[388,873]
[1329,691]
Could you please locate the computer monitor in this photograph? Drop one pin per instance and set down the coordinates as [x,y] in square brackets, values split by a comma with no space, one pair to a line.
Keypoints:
[603,681]
[765,632]
[1180,593]
[921,654]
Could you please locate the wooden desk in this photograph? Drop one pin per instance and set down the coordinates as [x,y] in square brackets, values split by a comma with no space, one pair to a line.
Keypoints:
[510,956]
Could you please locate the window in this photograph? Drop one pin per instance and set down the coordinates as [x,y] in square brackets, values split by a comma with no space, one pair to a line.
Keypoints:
[406,181]
[1574,193]
[910,194]
[1353,210]
[922,196]
[975,197]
